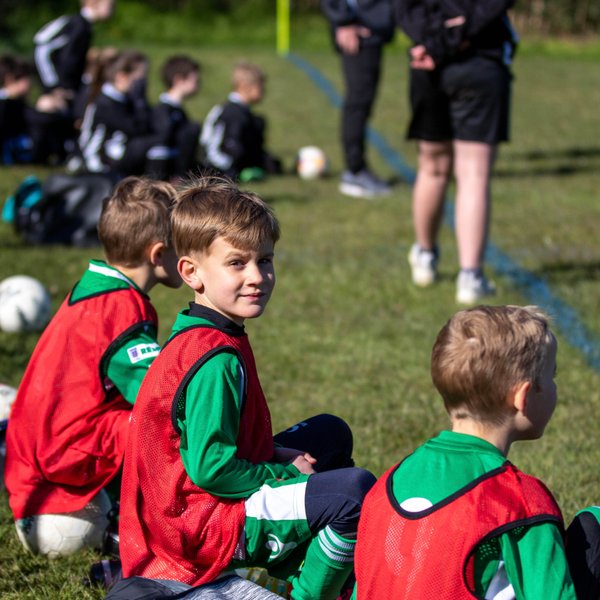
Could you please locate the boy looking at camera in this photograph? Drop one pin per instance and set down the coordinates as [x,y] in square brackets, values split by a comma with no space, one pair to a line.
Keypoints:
[206,489]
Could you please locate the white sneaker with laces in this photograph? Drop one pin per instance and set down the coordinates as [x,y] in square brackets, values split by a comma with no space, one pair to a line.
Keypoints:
[472,287]
[423,265]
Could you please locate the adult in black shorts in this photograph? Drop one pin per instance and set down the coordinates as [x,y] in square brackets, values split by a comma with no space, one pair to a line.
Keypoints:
[460,86]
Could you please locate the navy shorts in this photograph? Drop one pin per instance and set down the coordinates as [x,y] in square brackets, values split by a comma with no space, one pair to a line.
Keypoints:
[466,100]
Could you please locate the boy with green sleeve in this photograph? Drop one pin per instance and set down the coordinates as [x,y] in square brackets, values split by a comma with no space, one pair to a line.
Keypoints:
[70,421]
[456,519]
[206,487]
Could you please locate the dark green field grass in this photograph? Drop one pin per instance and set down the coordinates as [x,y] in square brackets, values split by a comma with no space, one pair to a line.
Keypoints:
[345,331]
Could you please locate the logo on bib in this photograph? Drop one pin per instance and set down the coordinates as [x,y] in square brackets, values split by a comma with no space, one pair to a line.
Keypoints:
[142,351]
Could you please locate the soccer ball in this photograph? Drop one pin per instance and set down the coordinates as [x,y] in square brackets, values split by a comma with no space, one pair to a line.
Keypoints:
[311,162]
[61,535]
[24,304]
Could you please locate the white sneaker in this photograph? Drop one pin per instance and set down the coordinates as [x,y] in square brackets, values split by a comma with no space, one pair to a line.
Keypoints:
[470,287]
[423,265]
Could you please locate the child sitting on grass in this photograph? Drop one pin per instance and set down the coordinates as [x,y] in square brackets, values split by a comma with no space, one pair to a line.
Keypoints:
[206,488]
[181,76]
[455,519]
[70,421]
[233,137]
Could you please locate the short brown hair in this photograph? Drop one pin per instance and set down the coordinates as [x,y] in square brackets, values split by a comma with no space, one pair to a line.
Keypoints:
[136,215]
[247,72]
[178,65]
[213,206]
[483,352]
[126,61]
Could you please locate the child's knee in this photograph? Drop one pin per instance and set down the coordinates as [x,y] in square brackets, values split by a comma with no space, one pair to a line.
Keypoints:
[335,498]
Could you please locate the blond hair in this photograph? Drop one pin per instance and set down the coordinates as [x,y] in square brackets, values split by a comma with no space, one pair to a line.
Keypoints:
[482,353]
[136,215]
[246,73]
[213,206]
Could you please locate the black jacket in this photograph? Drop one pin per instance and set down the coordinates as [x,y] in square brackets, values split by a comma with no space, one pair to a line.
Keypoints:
[233,138]
[376,15]
[60,51]
[486,29]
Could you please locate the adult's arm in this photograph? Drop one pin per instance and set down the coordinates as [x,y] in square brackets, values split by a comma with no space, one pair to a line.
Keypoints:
[446,28]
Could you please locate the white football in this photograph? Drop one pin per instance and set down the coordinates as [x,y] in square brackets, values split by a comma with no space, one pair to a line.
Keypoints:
[24,304]
[311,162]
[62,535]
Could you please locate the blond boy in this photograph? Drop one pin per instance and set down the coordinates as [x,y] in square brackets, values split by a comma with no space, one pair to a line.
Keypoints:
[205,487]
[70,421]
[455,519]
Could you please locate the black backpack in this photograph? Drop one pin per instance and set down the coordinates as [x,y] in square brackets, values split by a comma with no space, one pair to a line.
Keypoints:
[64,209]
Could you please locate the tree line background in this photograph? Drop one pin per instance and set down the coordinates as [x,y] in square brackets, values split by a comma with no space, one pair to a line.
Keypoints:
[551,17]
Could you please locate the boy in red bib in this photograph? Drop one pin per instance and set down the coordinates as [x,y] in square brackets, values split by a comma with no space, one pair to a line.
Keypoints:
[69,424]
[206,488]
[455,519]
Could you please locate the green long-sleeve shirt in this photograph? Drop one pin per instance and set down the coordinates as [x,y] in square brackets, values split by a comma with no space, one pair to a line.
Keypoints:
[211,420]
[130,359]
[524,563]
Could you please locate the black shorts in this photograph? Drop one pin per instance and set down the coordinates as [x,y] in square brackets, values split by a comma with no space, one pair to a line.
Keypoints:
[467,100]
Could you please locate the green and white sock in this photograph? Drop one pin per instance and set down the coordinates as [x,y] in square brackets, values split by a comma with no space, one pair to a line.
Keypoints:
[329,561]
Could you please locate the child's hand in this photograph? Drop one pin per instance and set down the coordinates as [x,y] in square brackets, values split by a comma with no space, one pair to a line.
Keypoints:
[303,461]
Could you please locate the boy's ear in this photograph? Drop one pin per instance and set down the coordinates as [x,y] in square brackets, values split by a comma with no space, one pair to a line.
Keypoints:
[519,395]
[155,253]
[188,271]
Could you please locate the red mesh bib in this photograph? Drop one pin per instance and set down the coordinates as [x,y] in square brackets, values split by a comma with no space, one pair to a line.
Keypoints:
[429,555]
[68,429]
[169,527]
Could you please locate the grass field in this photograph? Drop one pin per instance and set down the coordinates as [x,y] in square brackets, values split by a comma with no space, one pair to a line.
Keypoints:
[345,331]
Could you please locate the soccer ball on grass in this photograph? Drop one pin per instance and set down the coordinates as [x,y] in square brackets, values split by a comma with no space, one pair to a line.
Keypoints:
[61,535]
[311,162]
[24,304]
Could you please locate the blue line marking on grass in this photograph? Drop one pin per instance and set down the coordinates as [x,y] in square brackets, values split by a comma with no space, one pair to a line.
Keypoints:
[535,289]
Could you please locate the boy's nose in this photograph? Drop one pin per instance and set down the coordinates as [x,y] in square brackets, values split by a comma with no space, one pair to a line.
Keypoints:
[255,274]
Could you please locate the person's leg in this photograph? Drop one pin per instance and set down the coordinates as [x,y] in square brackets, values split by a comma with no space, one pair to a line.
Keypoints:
[361,76]
[320,510]
[326,437]
[473,162]
[333,504]
[479,90]
[473,165]
[434,168]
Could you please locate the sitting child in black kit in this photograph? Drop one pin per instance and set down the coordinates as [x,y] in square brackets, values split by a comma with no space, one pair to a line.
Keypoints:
[233,136]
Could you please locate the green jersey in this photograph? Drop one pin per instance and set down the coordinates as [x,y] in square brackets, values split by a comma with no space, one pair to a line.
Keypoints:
[132,355]
[524,563]
[210,422]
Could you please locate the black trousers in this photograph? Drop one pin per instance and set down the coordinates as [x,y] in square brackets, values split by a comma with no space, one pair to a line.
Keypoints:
[361,76]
